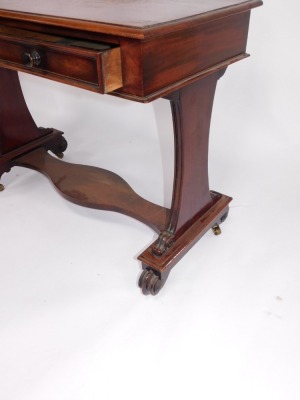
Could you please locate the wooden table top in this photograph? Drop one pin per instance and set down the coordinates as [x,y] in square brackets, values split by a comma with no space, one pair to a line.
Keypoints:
[128,18]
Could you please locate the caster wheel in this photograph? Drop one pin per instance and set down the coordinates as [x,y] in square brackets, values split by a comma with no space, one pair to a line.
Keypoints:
[216,230]
[149,282]
[1,187]
[216,227]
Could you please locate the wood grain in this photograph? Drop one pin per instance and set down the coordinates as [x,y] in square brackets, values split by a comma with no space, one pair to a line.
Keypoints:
[17,126]
[176,49]
[191,109]
[131,18]
[95,188]
[172,256]
[87,64]
[183,54]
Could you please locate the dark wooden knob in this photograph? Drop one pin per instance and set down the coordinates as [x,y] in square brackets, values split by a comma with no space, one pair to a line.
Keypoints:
[31,59]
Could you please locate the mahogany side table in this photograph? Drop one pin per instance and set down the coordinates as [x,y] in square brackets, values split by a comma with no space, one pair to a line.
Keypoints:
[137,50]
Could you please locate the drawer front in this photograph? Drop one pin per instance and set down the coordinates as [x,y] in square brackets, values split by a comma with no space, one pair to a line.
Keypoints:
[89,65]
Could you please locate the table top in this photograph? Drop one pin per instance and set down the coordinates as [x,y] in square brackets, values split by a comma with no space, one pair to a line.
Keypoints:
[133,18]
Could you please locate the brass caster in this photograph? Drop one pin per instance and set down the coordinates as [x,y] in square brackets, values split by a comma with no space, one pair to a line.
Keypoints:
[149,282]
[60,155]
[1,187]
[216,230]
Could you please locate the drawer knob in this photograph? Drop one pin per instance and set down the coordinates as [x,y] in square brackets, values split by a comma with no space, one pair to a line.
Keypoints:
[31,59]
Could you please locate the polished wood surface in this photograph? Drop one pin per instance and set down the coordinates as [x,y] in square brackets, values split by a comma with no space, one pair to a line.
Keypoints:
[142,70]
[125,18]
[188,239]
[178,42]
[137,50]
[191,109]
[19,133]
[86,64]
[185,54]
[95,188]
[14,114]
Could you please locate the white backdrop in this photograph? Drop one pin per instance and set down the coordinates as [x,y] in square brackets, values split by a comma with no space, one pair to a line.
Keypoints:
[73,324]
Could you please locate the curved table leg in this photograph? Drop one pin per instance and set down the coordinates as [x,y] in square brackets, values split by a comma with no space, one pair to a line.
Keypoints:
[18,131]
[195,209]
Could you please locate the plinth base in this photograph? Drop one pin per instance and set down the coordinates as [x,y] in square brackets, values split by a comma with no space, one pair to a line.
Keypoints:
[160,266]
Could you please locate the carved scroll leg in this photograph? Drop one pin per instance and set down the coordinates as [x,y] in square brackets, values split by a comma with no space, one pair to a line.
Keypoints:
[18,131]
[195,209]
[58,147]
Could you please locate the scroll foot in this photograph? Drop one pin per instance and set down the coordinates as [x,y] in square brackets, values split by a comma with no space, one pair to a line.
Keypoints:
[59,148]
[150,282]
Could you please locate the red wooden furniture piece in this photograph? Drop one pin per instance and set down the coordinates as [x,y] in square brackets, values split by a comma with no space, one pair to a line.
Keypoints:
[139,51]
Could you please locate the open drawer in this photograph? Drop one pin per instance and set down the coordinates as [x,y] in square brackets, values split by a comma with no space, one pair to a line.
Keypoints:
[91,65]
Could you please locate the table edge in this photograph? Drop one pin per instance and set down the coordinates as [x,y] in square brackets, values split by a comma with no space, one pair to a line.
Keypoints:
[130,31]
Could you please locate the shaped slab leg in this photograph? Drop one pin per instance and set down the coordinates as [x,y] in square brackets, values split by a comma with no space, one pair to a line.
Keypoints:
[18,131]
[195,208]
